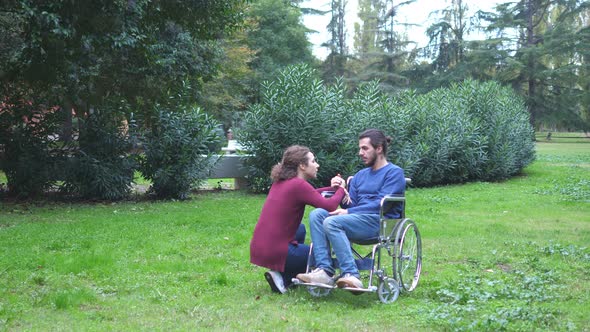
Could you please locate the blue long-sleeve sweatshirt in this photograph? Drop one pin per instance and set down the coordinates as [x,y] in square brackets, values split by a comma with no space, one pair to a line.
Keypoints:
[368,187]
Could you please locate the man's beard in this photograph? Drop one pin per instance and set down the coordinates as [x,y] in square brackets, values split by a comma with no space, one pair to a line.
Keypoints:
[371,161]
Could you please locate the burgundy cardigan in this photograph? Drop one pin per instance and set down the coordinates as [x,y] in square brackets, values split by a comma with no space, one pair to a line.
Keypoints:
[281,216]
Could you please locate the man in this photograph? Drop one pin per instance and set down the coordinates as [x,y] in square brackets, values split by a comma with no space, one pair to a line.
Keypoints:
[358,219]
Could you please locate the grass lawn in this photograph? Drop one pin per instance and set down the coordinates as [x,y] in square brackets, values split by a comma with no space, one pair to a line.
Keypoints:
[511,255]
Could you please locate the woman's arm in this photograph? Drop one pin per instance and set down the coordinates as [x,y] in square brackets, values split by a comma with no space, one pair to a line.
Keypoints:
[313,197]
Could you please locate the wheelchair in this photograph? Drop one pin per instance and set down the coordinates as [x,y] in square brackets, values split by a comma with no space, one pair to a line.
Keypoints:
[394,263]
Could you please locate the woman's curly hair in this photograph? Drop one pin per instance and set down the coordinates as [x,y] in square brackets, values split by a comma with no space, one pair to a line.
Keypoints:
[293,156]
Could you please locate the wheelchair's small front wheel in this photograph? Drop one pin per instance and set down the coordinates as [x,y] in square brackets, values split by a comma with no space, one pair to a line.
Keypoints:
[408,255]
[388,290]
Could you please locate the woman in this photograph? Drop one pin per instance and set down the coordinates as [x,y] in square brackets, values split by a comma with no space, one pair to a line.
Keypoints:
[277,243]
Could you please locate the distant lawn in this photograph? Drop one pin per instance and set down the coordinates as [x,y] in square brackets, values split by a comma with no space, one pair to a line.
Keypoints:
[139,180]
[511,255]
[224,183]
[562,137]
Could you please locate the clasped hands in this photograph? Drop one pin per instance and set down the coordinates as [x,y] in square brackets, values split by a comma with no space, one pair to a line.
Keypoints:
[336,182]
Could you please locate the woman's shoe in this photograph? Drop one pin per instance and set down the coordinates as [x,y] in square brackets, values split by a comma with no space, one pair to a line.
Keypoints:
[275,280]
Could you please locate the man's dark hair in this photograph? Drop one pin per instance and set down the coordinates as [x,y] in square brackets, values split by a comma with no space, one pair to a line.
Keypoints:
[377,137]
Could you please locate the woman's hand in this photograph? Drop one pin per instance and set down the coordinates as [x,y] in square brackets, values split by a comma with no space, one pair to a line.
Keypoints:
[338,181]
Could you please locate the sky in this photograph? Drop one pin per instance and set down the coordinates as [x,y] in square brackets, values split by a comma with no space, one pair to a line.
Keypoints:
[416,13]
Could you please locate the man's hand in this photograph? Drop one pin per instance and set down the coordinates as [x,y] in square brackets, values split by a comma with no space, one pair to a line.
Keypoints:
[346,199]
[339,212]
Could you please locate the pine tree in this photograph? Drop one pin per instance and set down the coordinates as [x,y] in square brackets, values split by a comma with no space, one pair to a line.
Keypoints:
[447,36]
[335,64]
[382,50]
[545,47]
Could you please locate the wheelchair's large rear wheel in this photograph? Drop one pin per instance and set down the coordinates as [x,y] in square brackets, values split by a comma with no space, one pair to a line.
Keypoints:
[408,255]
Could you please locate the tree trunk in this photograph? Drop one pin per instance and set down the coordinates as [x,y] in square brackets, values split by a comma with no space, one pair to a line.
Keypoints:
[530,44]
[66,132]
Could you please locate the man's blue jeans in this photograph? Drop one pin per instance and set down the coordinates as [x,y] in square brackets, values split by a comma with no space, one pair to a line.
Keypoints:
[338,231]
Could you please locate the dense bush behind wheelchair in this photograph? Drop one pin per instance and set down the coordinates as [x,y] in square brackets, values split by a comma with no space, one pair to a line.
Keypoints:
[394,262]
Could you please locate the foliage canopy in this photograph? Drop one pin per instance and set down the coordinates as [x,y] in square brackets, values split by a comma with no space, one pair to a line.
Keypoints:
[85,66]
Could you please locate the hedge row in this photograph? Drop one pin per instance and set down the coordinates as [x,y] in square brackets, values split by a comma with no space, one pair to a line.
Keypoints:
[467,132]
[101,164]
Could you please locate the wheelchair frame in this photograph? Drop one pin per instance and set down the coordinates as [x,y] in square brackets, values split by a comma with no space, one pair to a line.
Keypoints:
[394,263]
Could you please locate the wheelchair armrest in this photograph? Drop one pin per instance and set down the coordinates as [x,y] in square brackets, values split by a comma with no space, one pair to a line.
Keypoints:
[388,201]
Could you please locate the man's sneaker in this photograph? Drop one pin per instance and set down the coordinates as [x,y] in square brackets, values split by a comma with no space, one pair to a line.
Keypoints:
[350,281]
[317,276]
[275,280]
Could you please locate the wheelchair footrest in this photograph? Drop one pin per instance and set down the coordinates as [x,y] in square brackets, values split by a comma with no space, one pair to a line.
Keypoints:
[298,282]
[371,289]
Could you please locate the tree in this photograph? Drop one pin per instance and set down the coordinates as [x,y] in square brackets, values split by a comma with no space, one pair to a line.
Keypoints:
[137,50]
[448,50]
[536,46]
[545,47]
[278,37]
[387,57]
[365,34]
[447,36]
[335,63]
[108,58]
[231,90]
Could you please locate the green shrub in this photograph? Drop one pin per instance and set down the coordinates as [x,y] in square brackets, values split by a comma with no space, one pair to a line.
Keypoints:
[177,152]
[298,109]
[370,108]
[102,166]
[505,129]
[27,148]
[433,139]
[470,131]
[440,140]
